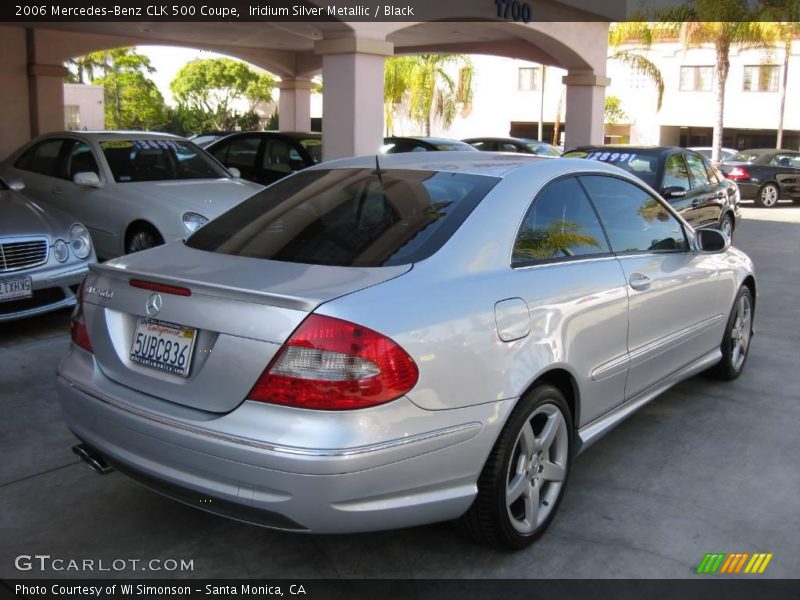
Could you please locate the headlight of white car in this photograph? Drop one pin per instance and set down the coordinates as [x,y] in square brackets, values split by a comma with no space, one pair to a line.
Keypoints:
[193,221]
[80,240]
[61,250]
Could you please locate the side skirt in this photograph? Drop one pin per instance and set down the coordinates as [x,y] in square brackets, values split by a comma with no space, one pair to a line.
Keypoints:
[590,433]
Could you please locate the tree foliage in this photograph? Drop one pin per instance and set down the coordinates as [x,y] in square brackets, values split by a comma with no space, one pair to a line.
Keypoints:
[614,113]
[426,82]
[132,100]
[209,89]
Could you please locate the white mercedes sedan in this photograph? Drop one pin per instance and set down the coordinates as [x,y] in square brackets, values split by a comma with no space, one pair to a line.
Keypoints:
[133,190]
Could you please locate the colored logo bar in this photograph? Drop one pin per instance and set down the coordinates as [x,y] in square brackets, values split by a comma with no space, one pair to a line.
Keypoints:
[734,563]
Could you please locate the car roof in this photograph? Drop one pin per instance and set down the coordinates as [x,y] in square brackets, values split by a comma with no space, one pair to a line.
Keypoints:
[658,150]
[492,164]
[422,138]
[116,135]
[506,139]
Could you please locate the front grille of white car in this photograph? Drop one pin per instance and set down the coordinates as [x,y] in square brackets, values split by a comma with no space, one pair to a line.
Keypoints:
[22,254]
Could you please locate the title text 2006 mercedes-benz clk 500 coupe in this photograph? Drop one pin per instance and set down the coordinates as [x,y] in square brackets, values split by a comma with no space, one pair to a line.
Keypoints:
[369,346]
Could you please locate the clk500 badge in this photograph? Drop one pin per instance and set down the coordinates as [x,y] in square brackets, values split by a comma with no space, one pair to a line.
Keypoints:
[102,293]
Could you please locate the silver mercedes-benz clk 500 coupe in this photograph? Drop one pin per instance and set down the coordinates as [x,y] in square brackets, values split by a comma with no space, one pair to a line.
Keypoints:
[367,346]
[44,255]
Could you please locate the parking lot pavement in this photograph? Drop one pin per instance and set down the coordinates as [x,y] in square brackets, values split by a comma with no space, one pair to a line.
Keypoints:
[707,467]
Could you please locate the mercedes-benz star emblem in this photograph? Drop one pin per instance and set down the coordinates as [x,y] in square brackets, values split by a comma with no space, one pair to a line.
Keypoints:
[153,305]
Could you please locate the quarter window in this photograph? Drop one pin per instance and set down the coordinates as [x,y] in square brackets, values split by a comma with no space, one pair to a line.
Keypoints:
[634,220]
[560,224]
[81,160]
[241,152]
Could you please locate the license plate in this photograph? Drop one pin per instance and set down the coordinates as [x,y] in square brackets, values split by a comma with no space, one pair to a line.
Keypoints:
[163,346]
[16,289]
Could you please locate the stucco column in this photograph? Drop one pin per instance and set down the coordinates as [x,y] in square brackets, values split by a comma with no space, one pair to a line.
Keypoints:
[46,94]
[586,95]
[352,73]
[14,116]
[294,104]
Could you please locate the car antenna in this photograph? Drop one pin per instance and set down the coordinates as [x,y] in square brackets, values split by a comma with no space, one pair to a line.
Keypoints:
[378,171]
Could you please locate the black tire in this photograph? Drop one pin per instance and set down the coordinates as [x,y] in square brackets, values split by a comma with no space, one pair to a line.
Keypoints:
[732,364]
[489,519]
[768,196]
[141,237]
[726,225]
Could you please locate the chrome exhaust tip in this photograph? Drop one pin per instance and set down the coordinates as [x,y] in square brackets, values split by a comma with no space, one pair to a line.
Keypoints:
[96,462]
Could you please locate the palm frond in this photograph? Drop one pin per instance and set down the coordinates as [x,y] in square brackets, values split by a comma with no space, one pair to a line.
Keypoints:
[641,64]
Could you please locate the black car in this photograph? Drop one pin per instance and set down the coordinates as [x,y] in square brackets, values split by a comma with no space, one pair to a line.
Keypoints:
[684,178]
[512,144]
[267,156]
[205,138]
[397,145]
[765,175]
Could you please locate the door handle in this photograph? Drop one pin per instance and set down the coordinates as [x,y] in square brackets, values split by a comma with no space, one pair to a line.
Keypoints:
[695,203]
[639,281]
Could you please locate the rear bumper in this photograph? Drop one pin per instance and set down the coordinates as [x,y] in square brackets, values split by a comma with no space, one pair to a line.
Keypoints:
[418,467]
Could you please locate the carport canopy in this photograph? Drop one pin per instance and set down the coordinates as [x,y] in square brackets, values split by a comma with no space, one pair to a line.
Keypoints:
[350,56]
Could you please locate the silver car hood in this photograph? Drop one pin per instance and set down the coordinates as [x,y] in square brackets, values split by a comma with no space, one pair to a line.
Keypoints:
[208,197]
[291,285]
[20,216]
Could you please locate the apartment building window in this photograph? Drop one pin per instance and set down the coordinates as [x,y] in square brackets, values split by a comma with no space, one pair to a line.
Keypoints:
[696,79]
[72,117]
[529,78]
[761,78]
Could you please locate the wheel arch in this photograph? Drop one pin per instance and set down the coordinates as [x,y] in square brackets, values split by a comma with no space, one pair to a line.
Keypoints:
[750,282]
[566,383]
[136,225]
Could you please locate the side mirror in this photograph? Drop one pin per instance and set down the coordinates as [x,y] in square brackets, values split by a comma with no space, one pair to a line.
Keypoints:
[16,184]
[711,241]
[235,173]
[87,178]
[673,191]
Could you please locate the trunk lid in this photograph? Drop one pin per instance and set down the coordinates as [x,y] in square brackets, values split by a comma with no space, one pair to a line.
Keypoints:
[242,310]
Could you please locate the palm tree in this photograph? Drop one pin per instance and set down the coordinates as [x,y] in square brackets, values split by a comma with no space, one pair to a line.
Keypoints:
[432,92]
[783,28]
[723,24]
[628,41]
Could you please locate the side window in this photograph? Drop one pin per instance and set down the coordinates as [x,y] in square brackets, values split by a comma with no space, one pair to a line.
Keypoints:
[81,160]
[482,145]
[786,160]
[561,223]
[241,153]
[506,147]
[698,170]
[43,158]
[634,220]
[675,173]
[24,161]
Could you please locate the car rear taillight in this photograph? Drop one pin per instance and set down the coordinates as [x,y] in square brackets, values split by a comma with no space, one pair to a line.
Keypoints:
[738,173]
[77,325]
[331,364]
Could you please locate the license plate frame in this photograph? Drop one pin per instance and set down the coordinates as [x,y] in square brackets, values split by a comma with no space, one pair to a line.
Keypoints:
[9,295]
[146,349]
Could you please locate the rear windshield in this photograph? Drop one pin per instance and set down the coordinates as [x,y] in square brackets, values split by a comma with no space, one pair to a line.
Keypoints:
[347,217]
[743,157]
[641,164]
[158,160]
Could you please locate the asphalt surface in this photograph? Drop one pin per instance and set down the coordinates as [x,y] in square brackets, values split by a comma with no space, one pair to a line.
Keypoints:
[707,467]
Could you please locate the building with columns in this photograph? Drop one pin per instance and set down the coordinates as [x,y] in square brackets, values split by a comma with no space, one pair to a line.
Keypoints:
[349,55]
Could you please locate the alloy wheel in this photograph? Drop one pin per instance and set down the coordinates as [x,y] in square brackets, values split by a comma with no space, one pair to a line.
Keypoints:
[740,332]
[769,195]
[537,469]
